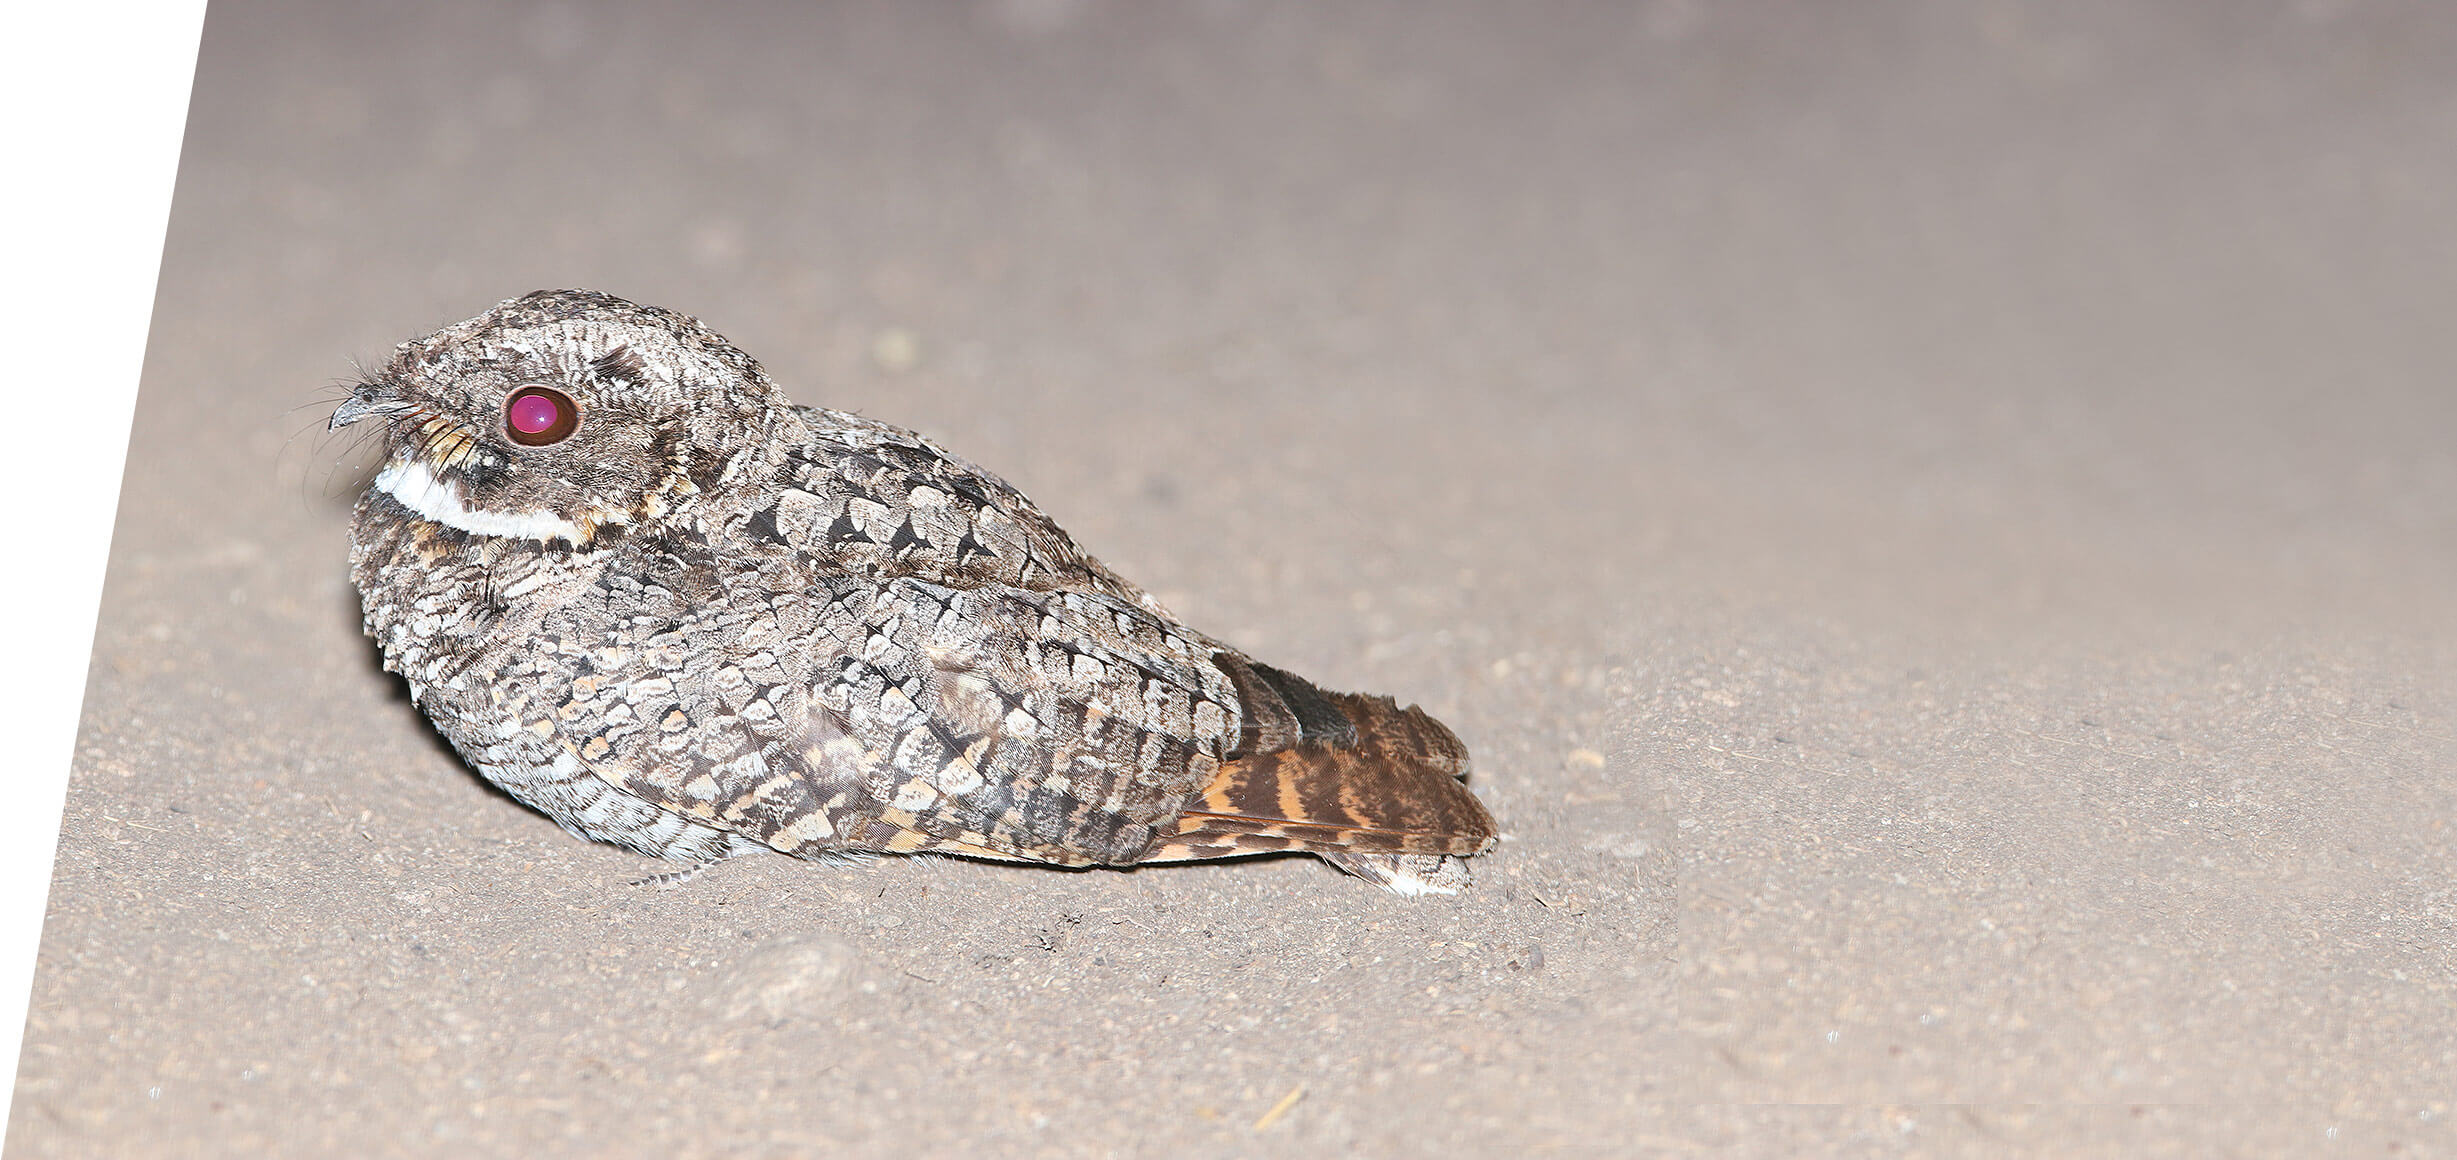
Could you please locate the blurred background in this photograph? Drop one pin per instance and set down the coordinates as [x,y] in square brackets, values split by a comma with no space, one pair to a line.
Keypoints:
[1935,519]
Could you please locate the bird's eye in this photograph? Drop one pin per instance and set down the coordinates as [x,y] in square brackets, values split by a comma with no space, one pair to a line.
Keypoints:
[537,416]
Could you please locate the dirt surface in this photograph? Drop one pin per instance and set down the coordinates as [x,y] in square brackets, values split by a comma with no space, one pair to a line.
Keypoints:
[1935,520]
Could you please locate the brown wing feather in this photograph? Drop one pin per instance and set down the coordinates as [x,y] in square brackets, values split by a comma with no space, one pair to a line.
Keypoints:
[1321,771]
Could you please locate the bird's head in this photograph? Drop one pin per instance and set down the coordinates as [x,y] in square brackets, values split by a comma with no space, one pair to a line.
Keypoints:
[563,415]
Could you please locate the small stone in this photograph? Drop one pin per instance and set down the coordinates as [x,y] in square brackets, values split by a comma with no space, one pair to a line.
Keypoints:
[790,977]
[896,350]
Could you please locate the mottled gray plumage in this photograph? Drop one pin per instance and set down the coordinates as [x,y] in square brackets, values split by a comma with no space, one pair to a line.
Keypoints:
[695,619]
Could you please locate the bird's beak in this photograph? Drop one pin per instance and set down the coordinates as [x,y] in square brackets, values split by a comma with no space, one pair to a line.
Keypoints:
[367,401]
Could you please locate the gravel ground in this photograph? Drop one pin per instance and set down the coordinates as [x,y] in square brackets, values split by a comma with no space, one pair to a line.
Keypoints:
[1935,520]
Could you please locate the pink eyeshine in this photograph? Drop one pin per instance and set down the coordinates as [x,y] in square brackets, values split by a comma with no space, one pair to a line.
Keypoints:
[531,414]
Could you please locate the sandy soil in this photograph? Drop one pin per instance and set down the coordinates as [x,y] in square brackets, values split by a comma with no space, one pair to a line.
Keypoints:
[1935,521]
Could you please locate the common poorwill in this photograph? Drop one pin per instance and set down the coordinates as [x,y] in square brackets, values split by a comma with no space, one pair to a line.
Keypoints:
[641,591]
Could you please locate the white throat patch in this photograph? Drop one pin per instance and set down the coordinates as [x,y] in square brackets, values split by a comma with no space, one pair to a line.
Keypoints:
[418,490]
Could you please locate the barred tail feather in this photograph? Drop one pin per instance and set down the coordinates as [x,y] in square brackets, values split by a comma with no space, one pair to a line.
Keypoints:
[1377,789]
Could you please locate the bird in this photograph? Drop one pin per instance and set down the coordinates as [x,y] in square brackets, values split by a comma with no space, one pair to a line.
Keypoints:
[640,590]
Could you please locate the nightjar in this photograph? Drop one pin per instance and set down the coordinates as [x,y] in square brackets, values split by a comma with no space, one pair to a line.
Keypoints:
[641,591]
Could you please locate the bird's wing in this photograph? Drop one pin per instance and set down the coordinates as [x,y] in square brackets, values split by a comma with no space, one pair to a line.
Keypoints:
[905,715]
[880,501]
